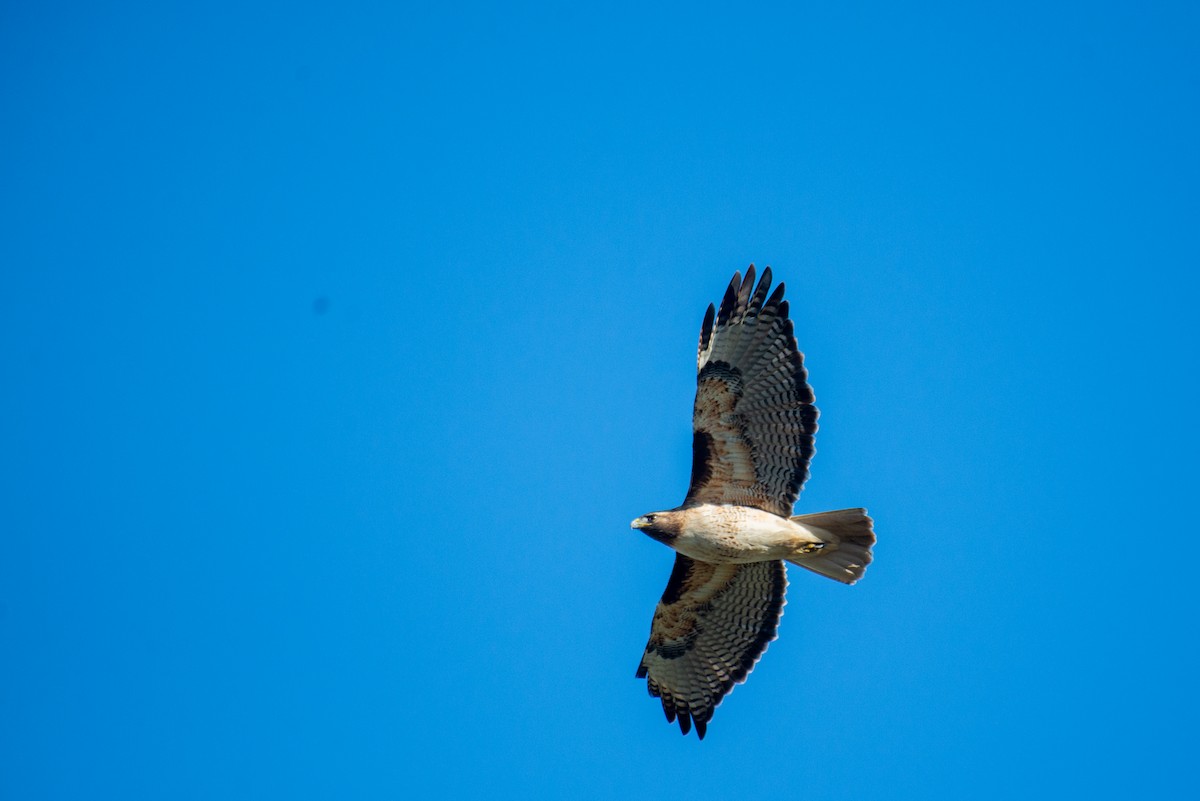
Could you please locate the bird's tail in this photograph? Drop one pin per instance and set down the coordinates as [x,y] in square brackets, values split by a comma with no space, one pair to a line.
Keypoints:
[848,536]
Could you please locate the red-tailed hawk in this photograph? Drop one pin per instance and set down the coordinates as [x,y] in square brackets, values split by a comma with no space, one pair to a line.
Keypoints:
[753,426]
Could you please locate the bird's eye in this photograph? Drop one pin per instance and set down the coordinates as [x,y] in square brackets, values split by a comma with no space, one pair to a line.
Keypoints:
[650,518]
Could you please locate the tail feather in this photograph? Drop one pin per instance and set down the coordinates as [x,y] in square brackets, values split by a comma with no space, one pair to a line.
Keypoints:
[849,538]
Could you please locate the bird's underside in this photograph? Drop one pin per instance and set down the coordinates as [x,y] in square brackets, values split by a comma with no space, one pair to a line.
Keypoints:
[753,427]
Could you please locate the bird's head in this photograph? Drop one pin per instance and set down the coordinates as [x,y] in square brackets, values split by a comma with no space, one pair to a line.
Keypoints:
[662,526]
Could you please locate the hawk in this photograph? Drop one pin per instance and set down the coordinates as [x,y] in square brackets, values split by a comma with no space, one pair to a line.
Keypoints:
[753,425]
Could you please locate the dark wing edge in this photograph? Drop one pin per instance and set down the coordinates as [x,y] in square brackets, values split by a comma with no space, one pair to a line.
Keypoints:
[754,422]
[710,628]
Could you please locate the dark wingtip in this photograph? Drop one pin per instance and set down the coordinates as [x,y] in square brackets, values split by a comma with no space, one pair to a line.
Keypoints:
[776,296]
[685,723]
[729,301]
[641,671]
[745,291]
[701,727]
[706,328]
[760,294]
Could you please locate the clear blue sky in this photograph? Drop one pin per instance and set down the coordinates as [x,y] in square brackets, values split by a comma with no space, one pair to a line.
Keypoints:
[340,344]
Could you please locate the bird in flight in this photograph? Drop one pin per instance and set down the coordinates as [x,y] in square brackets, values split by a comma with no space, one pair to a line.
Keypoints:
[753,425]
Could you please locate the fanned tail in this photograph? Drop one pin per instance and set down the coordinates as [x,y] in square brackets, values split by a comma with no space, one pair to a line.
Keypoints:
[848,535]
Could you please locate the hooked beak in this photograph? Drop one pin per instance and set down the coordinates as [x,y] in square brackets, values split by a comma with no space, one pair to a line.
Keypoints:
[641,522]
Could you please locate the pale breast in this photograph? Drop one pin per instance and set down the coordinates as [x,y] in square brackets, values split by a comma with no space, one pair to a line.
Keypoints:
[735,534]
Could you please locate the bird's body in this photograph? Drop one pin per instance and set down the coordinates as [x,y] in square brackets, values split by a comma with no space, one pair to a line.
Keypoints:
[727,534]
[753,425]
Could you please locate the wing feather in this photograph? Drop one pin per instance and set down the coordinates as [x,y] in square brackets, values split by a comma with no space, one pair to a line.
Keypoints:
[710,628]
[754,420]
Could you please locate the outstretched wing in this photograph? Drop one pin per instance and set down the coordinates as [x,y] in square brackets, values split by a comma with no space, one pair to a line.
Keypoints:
[710,628]
[754,418]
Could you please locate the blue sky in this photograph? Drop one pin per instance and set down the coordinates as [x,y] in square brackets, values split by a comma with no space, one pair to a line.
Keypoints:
[341,345]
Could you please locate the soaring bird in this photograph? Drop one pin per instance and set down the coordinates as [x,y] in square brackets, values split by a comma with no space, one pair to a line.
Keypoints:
[753,425]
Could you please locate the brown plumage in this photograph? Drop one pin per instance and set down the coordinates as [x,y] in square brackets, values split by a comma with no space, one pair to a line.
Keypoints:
[753,426]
